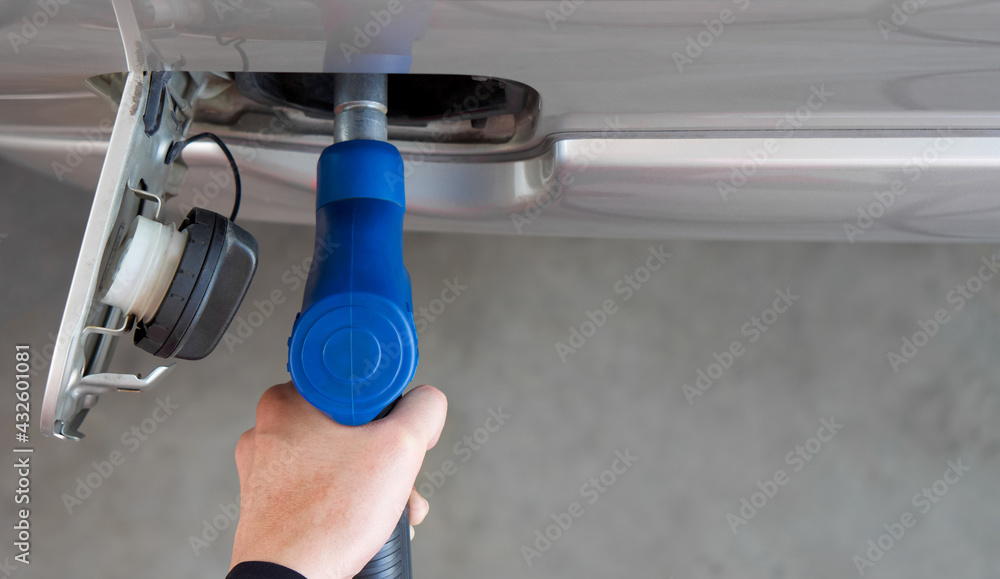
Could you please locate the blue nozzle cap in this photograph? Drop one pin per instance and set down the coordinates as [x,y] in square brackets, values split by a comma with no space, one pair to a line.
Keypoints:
[351,360]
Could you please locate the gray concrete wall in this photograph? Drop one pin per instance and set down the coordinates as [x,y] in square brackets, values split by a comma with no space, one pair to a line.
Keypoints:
[622,391]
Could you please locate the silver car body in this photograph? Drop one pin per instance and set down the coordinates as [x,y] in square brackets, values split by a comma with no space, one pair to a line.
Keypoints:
[856,120]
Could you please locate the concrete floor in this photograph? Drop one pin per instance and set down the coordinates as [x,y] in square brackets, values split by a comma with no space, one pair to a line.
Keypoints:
[494,349]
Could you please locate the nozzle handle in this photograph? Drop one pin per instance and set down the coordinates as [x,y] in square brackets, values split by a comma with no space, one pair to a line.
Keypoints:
[393,560]
[353,348]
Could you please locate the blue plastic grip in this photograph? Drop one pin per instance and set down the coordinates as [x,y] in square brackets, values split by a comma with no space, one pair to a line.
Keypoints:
[353,348]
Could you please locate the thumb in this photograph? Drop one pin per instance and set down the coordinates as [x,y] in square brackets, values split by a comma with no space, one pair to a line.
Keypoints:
[421,411]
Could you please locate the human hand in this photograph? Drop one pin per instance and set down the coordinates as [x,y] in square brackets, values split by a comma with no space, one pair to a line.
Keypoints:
[322,498]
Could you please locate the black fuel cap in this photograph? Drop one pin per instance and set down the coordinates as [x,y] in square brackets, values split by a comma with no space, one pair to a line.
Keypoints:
[212,278]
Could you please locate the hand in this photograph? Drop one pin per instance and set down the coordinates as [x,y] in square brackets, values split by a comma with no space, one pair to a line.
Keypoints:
[322,498]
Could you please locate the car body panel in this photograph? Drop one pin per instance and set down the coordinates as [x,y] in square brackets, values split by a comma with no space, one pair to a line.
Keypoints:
[649,111]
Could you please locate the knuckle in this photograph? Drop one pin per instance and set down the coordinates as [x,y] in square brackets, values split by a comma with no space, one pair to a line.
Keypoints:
[272,404]
[436,399]
[243,444]
[405,441]
[276,394]
[244,440]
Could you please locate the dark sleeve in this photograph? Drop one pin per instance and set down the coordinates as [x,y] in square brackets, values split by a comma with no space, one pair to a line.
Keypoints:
[262,570]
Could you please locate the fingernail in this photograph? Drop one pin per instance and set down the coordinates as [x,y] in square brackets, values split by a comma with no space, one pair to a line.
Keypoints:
[412,532]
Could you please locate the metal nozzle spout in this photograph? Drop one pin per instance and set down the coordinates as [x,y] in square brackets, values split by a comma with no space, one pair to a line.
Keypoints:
[360,107]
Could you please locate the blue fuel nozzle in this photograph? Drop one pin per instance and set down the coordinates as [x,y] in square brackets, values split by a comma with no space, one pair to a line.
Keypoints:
[353,348]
